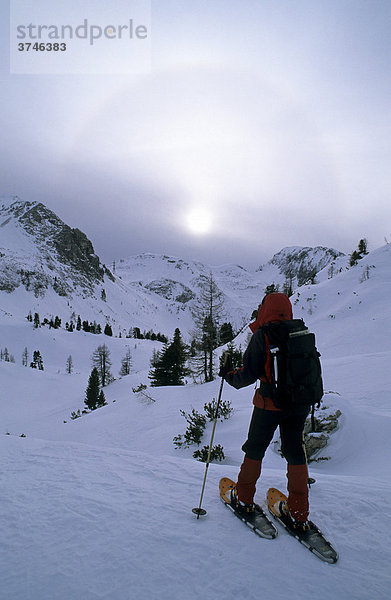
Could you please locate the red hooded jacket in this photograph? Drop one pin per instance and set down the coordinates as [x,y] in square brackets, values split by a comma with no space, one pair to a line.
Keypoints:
[275,307]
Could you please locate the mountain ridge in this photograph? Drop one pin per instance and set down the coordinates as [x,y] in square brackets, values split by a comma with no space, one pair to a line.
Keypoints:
[54,270]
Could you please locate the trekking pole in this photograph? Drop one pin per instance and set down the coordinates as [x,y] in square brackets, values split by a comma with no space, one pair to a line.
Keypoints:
[201,511]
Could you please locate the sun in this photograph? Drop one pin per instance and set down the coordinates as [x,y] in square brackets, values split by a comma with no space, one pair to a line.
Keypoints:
[199,220]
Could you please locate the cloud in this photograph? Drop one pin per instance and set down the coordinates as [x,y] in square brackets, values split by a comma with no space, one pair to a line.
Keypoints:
[273,118]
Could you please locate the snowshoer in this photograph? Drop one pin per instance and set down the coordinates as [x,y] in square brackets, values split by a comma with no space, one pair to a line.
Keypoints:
[266,417]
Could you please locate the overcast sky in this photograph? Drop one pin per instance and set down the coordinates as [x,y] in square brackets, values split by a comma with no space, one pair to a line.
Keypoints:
[262,124]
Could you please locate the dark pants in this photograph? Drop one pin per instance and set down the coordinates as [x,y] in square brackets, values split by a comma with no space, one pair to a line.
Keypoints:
[262,427]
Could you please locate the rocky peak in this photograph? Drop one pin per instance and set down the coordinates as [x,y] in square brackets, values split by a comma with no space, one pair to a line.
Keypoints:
[303,263]
[62,254]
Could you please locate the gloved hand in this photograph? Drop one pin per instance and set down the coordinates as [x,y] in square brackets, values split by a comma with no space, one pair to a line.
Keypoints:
[226,364]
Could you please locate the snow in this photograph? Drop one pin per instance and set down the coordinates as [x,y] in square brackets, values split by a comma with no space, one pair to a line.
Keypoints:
[100,506]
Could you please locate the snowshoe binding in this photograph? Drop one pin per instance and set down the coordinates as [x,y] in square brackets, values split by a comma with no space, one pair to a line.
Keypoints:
[307,533]
[251,515]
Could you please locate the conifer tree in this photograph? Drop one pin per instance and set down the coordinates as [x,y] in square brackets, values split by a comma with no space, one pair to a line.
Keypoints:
[92,391]
[126,364]
[168,365]
[176,358]
[101,360]
[25,357]
[207,315]
[358,254]
[101,399]
[354,258]
[271,288]
[158,374]
[235,354]
[69,365]
[226,333]
[37,362]
[287,288]
[108,330]
[363,247]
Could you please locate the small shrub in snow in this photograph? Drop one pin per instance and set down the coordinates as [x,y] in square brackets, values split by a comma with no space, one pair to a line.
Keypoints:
[224,412]
[196,425]
[216,453]
[139,388]
[195,429]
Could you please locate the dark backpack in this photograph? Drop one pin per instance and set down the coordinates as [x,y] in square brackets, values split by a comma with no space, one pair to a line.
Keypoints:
[295,379]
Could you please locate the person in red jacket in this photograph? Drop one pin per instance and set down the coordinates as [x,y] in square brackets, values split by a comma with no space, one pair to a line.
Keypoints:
[266,418]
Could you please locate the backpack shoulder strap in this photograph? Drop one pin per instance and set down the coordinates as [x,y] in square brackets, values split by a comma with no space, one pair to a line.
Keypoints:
[267,386]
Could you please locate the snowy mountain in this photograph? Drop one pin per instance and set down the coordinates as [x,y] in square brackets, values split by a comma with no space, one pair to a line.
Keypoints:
[53,269]
[41,252]
[300,265]
[180,282]
[100,506]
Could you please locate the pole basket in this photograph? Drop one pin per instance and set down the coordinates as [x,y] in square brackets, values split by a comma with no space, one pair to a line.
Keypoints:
[200,512]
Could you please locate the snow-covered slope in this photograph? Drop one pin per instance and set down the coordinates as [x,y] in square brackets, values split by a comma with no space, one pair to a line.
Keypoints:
[352,309]
[100,507]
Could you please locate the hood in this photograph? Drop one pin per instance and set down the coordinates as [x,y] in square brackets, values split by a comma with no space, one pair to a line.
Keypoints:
[274,307]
